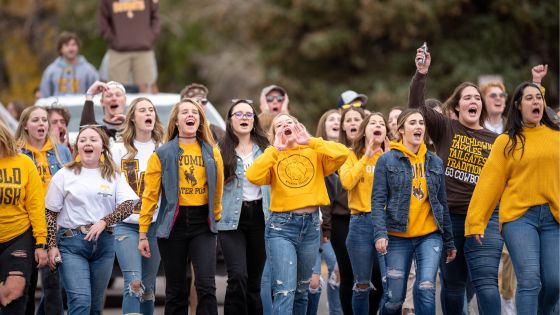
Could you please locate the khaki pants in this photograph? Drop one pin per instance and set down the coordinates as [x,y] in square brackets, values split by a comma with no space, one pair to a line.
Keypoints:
[136,67]
[508,284]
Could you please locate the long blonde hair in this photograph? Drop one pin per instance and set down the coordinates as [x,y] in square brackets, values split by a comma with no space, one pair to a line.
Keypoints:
[203,132]
[22,135]
[107,167]
[8,146]
[129,131]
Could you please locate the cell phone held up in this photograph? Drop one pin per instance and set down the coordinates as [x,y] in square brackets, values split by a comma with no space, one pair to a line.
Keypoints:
[424,48]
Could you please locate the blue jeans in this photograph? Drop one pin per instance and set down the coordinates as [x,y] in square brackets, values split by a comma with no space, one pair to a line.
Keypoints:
[333,292]
[480,262]
[360,243]
[139,272]
[85,270]
[427,251]
[266,289]
[532,242]
[292,243]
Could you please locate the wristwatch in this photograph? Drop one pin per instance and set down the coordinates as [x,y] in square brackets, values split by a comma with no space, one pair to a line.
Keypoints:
[43,246]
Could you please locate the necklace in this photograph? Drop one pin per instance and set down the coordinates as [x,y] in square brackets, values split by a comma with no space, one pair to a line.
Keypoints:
[187,137]
[244,149]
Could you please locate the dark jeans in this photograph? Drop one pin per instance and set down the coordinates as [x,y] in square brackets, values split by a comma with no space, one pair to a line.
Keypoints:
[480,262]
[51,301]
[190,237]
[22,263]
[245,254]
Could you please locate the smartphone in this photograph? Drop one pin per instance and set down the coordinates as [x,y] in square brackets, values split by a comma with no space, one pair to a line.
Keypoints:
[425,50]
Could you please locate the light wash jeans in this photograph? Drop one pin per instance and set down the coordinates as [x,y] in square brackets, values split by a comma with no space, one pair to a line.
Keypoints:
[427,250]
[533,242]
[134,267]
[85,270]
[292,244]
[333,289]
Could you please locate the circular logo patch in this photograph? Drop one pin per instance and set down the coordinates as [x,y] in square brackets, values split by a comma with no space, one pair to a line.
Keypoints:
[295,171]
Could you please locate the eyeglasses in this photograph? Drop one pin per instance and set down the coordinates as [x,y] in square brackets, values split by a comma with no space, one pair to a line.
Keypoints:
[241,115]
[496,95]
[354,104]
[271,98]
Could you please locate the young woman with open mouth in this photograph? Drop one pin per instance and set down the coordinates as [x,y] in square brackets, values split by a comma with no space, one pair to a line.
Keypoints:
[141,135]
[521,171]
[245,208]
[34,138]
[356,176]
[463,145]
[84,200]
[23,231]
[411,218]
[295,168]
[187,172]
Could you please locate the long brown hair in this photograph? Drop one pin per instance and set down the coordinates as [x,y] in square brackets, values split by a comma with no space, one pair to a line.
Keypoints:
[203,132]
[8,146]
[107,167]
[129,131]
[451,104]
[22,135]
[402,119]
[321,131]
[342,135]
[359,144]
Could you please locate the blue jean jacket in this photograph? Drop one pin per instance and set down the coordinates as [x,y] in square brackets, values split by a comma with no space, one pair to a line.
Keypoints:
[232,197]
[392,186]
[54,164]
[169,154]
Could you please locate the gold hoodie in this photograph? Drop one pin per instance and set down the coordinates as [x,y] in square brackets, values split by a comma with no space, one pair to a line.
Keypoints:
[356,176]
[420,218]
[41,162]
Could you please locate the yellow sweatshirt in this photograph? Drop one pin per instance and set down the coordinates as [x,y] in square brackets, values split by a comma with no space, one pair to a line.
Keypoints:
[518,183]
[297,175]
[421,220]
[192,191]
[356,176]
[22,201]
[41,162]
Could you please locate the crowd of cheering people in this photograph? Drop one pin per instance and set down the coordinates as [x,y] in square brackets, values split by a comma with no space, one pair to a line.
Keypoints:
[390,202]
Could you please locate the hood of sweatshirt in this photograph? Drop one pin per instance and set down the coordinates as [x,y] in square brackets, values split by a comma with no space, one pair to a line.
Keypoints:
[80,61]
[411,155]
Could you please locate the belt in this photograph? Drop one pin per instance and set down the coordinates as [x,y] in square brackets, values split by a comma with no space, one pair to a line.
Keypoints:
[252,203]
[84,229]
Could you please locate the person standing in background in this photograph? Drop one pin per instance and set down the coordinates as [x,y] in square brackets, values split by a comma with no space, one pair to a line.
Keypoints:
[70,73]
[130,29]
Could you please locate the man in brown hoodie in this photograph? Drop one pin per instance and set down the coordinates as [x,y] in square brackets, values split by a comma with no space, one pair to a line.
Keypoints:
[130,29]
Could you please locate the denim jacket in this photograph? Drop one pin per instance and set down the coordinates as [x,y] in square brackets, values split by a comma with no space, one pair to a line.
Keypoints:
[392,186]
[232,198]
[54,165]
[169,154]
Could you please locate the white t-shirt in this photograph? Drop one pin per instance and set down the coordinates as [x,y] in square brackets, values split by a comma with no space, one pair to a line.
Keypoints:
[85,198]
[133,170]
[499,128]
[250,191]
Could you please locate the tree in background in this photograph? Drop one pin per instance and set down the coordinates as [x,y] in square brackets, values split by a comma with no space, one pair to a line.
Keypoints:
[314,48]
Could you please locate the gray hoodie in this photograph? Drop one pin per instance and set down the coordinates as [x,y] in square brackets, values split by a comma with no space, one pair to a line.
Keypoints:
[61,78]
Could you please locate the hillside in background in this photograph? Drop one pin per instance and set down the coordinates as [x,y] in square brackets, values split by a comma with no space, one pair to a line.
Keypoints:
[314,48]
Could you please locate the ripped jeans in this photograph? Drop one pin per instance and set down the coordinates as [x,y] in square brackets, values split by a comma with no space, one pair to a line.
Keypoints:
[139,272]
[427,251]
[292,244]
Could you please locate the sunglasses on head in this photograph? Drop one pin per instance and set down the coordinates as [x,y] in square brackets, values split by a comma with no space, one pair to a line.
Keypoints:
[496,95]
[203,101]
[271,98]
[356,104]
[236,101]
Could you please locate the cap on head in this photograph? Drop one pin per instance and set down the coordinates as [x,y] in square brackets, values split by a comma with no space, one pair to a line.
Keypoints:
[349,96]
[194,90]
[273,87]
[115,84]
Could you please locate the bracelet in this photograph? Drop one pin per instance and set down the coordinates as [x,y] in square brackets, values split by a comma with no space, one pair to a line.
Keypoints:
[143,239]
